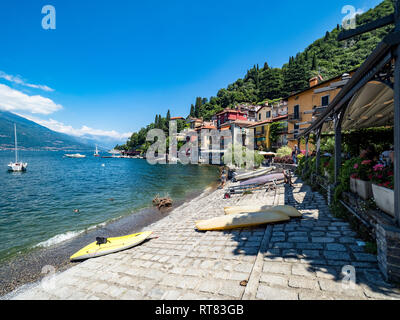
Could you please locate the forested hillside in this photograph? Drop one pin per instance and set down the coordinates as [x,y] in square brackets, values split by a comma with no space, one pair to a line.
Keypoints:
[34,136]
[326,56]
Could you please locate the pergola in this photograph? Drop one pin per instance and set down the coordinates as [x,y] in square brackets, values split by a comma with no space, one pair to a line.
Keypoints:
[371,98]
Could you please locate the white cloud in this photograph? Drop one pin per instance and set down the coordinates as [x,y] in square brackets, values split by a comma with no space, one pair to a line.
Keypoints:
[83,131]
[14,100]
[18,80]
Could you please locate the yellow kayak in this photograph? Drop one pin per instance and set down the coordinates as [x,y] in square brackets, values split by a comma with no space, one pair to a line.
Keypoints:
[110,245]
[288,210]
[233,221]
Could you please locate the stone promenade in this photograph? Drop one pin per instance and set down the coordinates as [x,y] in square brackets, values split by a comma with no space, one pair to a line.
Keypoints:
[301,259]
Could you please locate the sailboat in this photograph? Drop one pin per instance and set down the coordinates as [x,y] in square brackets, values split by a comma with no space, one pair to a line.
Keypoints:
[16,166]
[96,154]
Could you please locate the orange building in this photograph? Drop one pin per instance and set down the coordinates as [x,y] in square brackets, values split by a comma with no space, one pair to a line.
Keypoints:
[305,106]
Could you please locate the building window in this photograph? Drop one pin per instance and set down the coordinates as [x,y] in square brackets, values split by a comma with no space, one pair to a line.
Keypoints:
[259,116]
[268,114]
[296,111]
[325,101]
[262,130]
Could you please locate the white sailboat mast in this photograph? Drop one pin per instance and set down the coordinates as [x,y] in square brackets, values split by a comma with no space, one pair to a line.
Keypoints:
[16,143]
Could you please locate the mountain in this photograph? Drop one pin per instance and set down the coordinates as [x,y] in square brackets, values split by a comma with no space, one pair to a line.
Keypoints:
[104,143]
[34,136]
[325,56]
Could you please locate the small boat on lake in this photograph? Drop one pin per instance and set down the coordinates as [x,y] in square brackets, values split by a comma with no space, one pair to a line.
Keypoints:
[16,166]
[76,155]
[96,153]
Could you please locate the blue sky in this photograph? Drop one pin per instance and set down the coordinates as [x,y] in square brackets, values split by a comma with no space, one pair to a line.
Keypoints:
[110,66]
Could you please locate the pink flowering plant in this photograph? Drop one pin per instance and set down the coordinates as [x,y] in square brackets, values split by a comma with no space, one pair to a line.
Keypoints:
[383,176]
[363,169]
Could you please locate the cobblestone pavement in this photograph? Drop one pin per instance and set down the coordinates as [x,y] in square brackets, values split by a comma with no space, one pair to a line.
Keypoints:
[301,259]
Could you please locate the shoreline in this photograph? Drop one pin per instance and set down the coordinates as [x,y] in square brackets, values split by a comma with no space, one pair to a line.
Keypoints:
[23,271]
[182,263]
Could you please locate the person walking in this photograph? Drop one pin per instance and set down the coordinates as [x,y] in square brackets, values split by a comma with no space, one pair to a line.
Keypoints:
[295,152]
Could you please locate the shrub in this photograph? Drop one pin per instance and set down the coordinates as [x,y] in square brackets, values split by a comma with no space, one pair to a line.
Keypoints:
[363,169]
[284,151]
[285,159]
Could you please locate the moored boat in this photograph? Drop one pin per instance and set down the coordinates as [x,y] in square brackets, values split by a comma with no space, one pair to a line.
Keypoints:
[96,153]
[76,155]
[17,166]
[253,174]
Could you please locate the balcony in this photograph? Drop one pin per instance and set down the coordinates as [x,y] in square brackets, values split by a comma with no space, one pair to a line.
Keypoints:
[319,110]
[293,117]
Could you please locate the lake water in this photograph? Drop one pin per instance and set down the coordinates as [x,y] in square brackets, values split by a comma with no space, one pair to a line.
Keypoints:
[37,207]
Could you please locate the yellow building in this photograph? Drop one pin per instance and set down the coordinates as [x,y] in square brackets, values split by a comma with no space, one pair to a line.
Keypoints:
[305,106]
[262,134]
[264,113]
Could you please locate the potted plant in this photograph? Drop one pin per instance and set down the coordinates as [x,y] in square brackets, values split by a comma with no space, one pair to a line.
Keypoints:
[363,173]
[382,188]
[353,183]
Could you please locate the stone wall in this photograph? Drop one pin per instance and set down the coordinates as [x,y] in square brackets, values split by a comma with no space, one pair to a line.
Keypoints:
[384,230]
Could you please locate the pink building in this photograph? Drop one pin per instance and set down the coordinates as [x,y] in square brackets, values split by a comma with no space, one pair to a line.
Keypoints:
[230,115]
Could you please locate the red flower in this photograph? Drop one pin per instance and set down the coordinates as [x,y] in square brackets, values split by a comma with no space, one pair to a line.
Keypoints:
[356,166]
[366,162]
[378,167]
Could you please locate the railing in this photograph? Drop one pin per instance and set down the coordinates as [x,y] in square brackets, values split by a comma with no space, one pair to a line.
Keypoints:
[293,117]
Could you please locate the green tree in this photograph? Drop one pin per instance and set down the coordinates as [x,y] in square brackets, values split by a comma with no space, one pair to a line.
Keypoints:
[271,84]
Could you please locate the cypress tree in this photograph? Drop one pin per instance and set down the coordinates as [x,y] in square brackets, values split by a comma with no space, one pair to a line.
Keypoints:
[314,65]
[168,116]
[197,107]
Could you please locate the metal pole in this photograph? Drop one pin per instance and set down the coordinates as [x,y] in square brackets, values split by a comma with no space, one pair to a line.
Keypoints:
[16,143]
[307,138]
[397,119]
[318,159]
[338,146]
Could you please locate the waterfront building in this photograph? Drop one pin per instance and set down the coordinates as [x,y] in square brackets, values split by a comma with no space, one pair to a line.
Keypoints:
[305,106]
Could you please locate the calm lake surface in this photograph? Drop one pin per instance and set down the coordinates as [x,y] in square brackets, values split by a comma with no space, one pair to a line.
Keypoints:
[37,207]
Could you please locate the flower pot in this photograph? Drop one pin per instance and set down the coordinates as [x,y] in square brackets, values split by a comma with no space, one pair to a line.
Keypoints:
[353,185]
[384,198]
[364,189]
